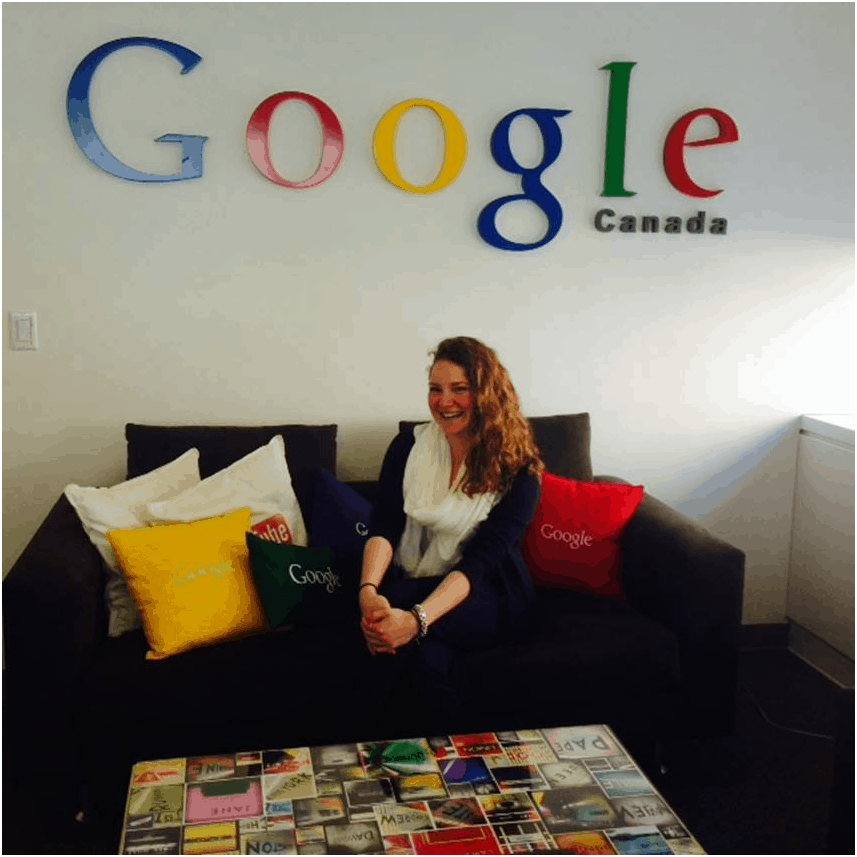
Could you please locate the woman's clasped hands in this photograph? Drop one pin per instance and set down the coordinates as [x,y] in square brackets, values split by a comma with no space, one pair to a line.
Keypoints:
[385,628]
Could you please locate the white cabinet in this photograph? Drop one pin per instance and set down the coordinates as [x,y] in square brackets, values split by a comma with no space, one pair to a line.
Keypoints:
[821,569]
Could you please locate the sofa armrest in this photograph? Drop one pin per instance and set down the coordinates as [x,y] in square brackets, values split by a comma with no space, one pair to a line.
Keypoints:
[678,573]
[54,619]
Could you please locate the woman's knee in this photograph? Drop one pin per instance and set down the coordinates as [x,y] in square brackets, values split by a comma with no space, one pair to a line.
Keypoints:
[473,624]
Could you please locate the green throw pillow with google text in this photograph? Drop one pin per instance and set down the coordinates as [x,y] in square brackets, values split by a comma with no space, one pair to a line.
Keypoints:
[298,584]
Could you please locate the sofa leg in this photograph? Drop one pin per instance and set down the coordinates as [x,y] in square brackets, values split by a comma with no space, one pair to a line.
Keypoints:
[660,764]
[651,756]
[83,813]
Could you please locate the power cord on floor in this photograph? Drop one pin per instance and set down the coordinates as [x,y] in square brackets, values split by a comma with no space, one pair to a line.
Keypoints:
[777,725]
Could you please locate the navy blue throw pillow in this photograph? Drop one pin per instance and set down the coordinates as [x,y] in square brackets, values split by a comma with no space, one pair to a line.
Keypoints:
[340,521]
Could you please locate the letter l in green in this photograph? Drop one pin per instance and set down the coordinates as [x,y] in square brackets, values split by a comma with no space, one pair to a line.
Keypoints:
[617,122]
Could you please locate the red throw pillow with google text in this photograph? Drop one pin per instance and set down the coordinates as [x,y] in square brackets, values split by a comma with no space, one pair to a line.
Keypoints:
[573,541]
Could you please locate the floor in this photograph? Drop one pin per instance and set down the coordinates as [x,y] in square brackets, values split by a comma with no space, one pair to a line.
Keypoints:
[763,790]
[766,789]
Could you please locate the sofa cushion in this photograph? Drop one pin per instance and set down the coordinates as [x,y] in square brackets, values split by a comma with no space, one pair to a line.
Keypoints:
[585,653]
[573,540]
[192,582]
[563,440]
[340,521]
[307,448]
[278,689]
[298,584]
[260,481]
[124,506]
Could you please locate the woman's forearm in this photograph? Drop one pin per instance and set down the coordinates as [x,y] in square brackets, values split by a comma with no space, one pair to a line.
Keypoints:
[377,556]
[394,628]
[448,594]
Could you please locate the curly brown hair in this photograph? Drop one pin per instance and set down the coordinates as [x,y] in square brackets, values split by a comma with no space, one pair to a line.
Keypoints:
[504,437]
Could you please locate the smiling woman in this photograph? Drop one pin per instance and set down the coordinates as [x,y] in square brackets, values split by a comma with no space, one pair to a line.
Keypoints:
[451,405]
[443,565]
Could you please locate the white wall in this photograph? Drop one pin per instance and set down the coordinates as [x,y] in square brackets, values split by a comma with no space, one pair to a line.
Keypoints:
[229,300]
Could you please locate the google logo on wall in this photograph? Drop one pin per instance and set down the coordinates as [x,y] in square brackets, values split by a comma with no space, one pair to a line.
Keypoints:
[384,144]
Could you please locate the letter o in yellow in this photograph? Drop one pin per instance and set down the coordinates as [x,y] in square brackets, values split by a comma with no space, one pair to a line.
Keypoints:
[384,144]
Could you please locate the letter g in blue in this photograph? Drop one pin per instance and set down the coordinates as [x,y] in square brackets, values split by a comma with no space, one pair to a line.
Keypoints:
[83,129]
[531,183]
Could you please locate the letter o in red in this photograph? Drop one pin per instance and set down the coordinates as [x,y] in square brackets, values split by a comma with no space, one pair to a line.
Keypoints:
[333,143]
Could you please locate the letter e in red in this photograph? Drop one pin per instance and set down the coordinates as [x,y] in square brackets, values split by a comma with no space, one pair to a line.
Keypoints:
[674,165]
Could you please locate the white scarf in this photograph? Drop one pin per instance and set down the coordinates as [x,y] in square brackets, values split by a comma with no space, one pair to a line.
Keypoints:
[439,518]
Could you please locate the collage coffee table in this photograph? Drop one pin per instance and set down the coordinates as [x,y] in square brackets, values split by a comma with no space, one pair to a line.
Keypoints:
[571,789]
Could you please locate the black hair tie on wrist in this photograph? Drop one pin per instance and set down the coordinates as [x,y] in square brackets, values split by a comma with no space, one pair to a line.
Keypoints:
[367,584]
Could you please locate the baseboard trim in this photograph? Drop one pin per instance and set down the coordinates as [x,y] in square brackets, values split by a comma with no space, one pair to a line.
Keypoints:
[821,656]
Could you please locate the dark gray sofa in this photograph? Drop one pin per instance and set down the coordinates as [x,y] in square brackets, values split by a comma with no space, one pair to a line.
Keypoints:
[659,664]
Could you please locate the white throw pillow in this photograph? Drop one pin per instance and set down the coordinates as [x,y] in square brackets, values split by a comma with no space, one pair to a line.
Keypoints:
[260,480]
[124,507]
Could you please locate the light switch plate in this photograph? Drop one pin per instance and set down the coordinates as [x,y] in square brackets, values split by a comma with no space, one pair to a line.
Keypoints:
[22,331]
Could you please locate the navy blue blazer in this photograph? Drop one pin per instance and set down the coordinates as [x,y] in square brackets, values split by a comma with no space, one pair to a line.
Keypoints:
[491,557]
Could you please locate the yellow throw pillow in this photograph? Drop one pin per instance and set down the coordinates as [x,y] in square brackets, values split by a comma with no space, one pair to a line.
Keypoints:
[191,582]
